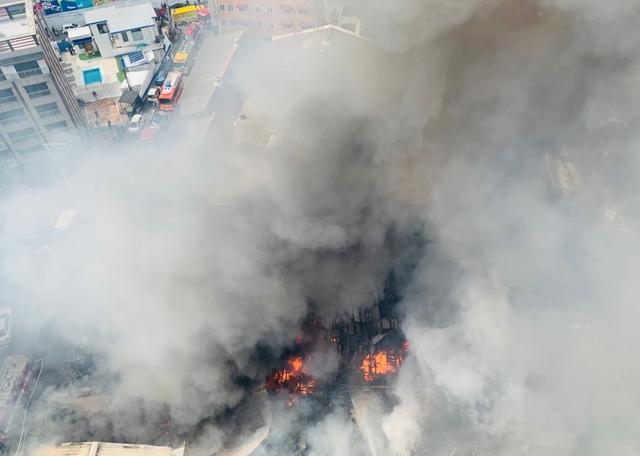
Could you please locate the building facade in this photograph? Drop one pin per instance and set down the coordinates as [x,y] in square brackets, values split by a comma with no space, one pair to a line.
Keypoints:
[267,17]
[37,105]
[127,41]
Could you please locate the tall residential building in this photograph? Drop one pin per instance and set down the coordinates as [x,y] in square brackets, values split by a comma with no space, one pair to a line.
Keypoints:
[37,105]
[268,17]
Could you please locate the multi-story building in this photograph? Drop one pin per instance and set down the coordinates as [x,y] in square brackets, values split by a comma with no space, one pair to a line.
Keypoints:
[267,17]
[117,41]
[37,105]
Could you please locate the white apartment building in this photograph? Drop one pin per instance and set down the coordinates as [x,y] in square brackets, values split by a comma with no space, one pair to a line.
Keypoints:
[37,105]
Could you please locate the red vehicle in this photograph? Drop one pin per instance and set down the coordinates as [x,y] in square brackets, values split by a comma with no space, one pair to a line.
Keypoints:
[172,88]
[204,17]
[154,129]
[191,34]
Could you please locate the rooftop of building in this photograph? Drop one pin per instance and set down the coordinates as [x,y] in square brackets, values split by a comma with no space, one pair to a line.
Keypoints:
[213,59]
[123,18]
[224,75]
[103,449]
[16,19]
[316,38]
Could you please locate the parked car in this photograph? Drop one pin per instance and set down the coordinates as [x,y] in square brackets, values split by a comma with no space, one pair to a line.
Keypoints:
[136,123]
[152,94]
[162,73]
[155,125]
[5,326]
[67,27]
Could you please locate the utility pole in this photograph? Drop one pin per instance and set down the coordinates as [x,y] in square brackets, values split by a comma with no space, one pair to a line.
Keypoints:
[126,71]
[55,162]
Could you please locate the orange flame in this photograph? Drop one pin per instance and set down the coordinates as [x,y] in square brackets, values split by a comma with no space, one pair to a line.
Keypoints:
[293,378]
[382,363]
[296,363]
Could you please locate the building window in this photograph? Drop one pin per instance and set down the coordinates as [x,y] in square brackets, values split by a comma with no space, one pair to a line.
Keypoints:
[2,76]
[302,12]
[103,27]
[259,24]
[230,8]
[258,9]
[7,96]
[244,24]
[233,22]
[221,8]
[287,26]
[137,35]
[31,150]
[26,134]
[305,26]
[286,9]
[56,126]
[124,36]
[269,10]
[28,69]
[13,116]
[48,110]
[270,25]
[15,11]
[37,90]
[242,9]
[224,22]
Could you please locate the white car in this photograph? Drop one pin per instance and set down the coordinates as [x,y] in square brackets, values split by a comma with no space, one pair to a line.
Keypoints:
[5,326]
[67,27]
[136,123]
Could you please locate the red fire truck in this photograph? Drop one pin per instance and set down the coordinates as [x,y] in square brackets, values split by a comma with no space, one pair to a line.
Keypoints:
[171,91]
[14,380]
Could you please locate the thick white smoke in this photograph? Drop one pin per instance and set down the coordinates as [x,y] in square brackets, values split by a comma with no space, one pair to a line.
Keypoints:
[507,128]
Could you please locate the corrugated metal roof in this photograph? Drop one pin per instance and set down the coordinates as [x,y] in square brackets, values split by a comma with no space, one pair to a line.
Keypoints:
[82,449]
[104,449]
[65,219]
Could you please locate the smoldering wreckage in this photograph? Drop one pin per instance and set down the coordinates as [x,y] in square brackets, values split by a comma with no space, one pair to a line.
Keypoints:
[437,259]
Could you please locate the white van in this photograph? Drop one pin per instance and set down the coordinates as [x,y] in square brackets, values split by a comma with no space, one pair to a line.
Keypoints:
[152,94]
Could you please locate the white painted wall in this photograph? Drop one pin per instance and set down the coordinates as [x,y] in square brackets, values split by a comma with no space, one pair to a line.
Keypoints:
[148,37]
[102,40]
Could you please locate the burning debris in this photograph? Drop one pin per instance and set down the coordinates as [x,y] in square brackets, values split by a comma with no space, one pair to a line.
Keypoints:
[383,362]
[368,345]
[293,378]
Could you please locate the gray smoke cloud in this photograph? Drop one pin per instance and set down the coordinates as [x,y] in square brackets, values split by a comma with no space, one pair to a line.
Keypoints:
[504,128]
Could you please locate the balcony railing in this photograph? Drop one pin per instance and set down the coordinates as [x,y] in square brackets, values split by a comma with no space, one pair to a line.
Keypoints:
[13,120]
[53,112]
[57,130]
[25,138]
[29,73]
[9,99]
[39,93]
